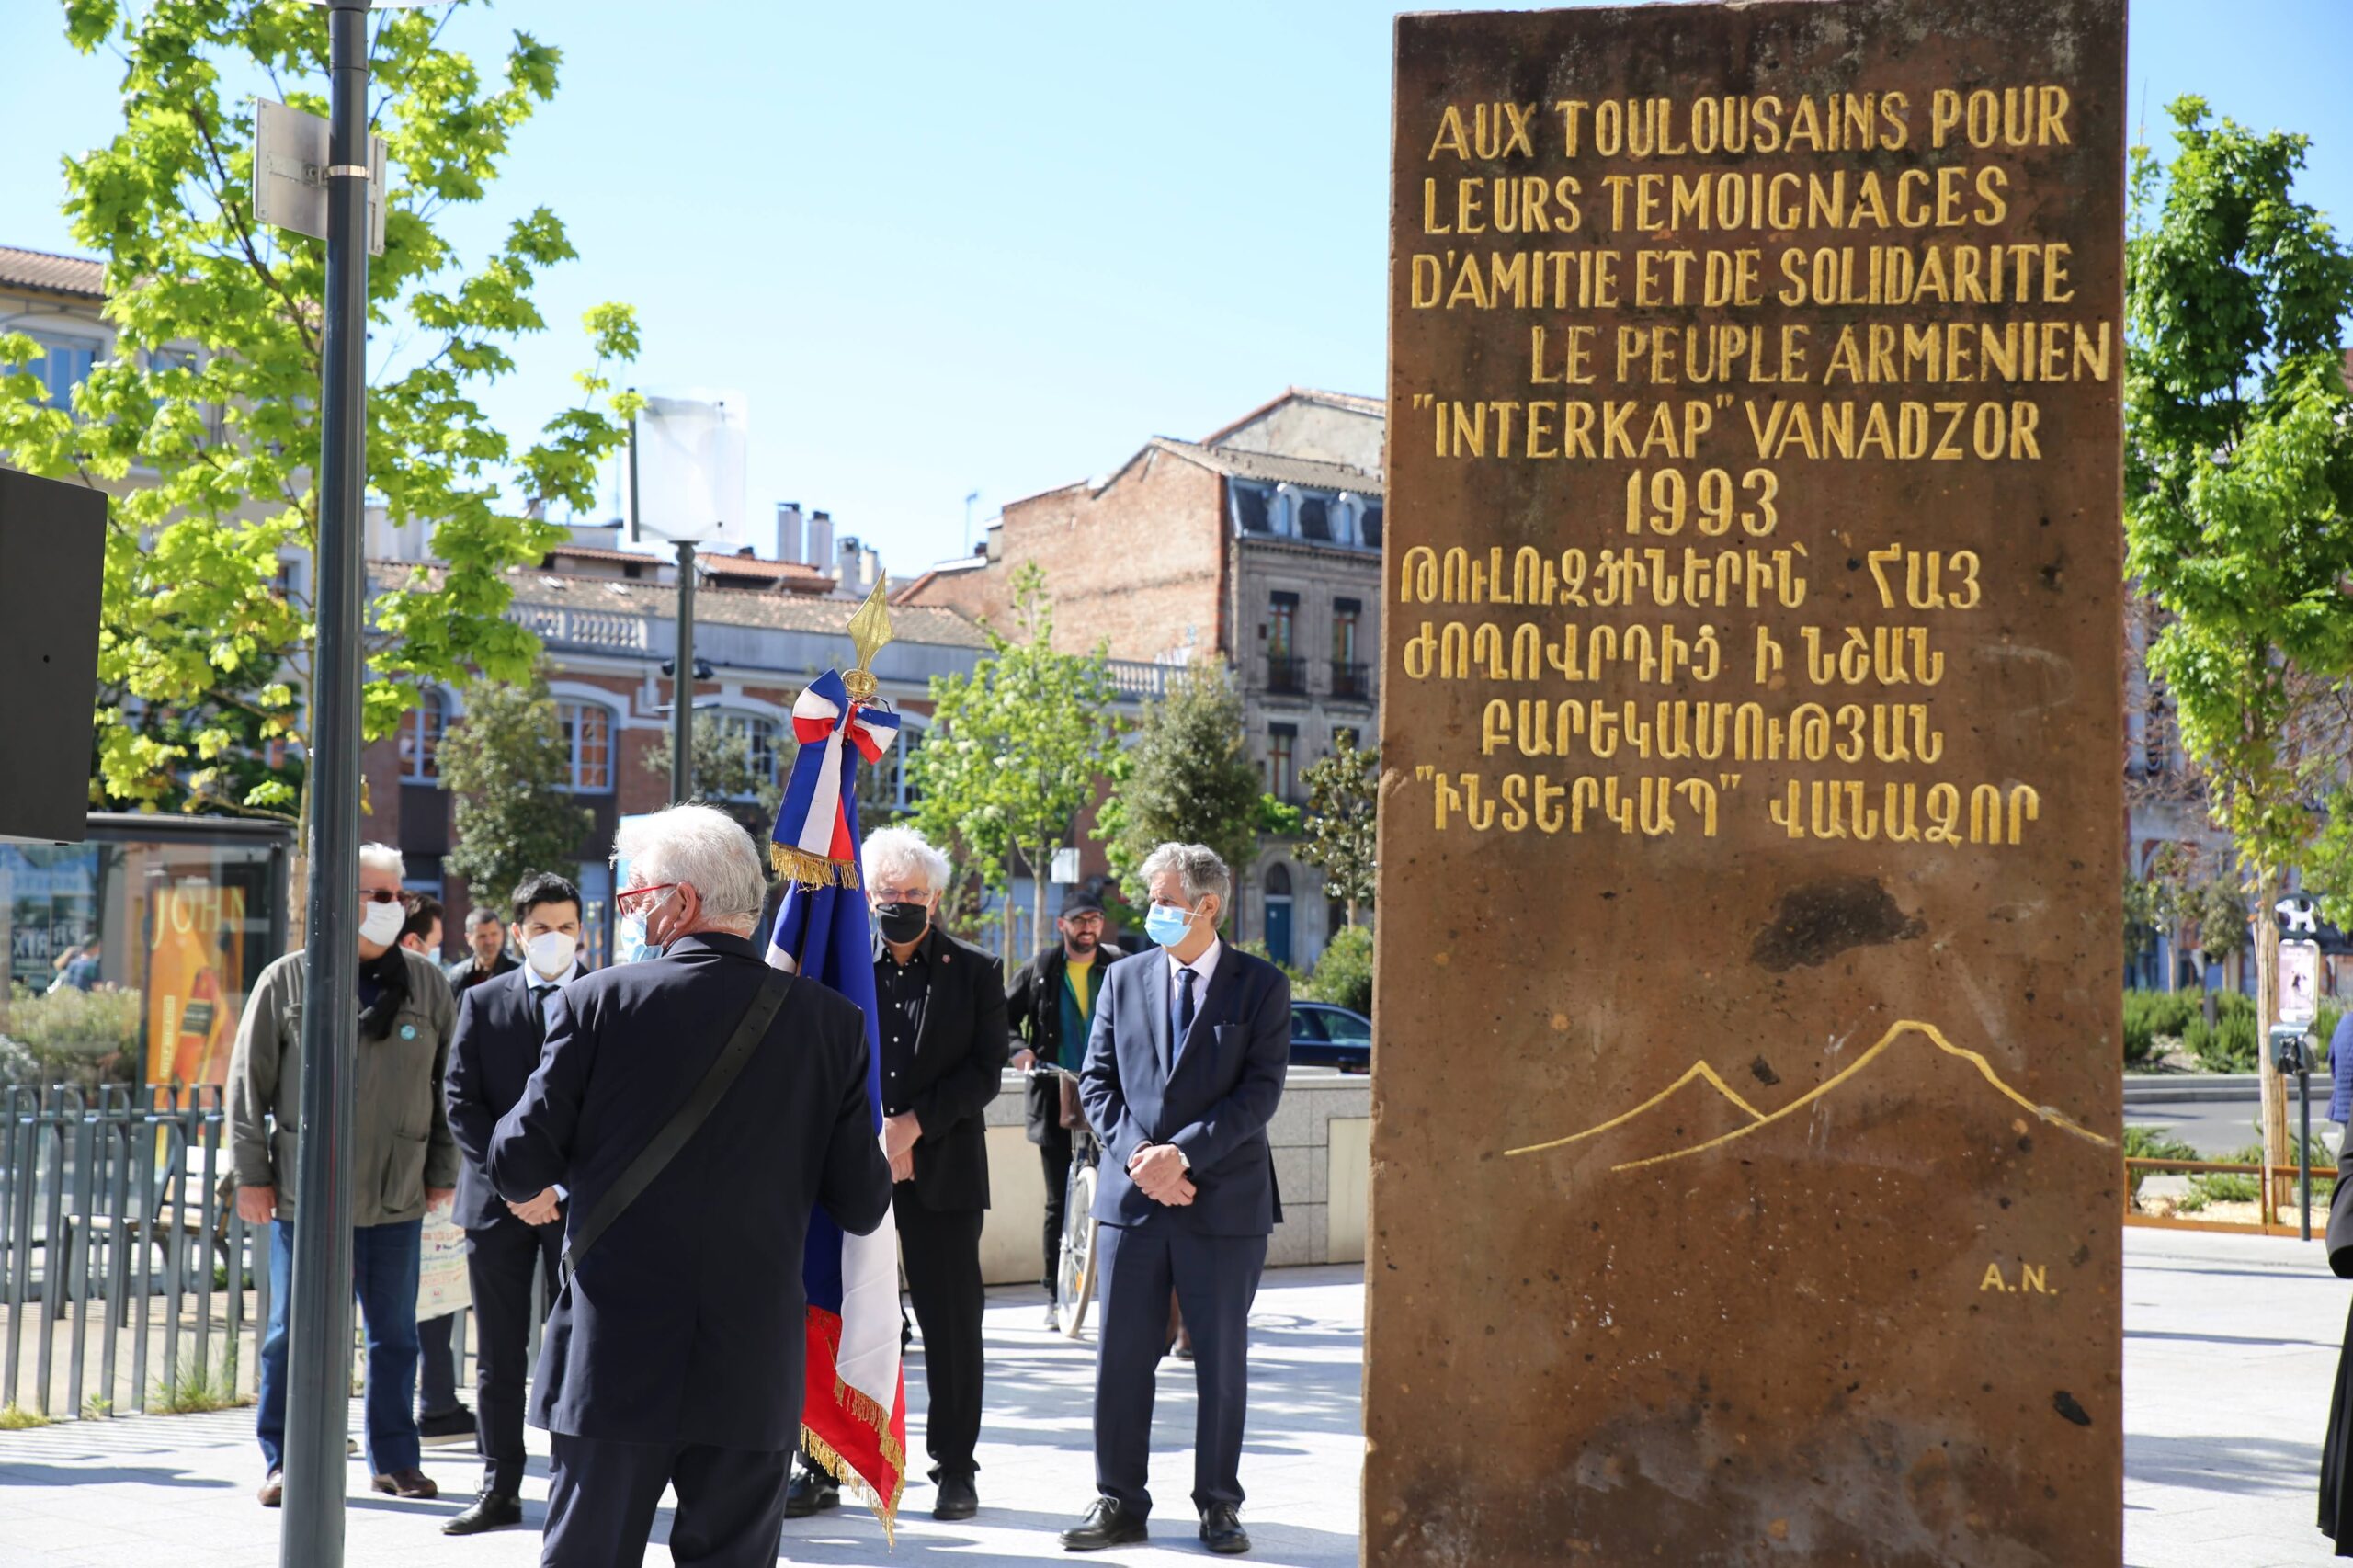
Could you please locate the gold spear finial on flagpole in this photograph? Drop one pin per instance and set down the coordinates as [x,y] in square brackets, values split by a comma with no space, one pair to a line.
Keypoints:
[869,629]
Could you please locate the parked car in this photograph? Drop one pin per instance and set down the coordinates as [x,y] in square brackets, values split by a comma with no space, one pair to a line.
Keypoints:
[1324,1036]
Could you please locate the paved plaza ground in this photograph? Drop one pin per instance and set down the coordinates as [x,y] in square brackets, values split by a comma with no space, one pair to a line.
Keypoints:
[2230,1346]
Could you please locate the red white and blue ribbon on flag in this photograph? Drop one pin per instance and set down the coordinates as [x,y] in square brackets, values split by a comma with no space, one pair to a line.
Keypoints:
[854,1409]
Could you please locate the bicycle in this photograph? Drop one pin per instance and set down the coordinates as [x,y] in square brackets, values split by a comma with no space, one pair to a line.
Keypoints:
[1074,1269]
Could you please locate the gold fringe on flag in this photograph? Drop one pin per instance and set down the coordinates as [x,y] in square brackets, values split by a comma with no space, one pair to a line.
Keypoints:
[894,1454]
[812,871]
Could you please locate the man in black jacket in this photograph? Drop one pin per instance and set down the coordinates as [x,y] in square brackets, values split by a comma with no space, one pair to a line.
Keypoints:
[674,1352]
[486,958]
[939,1009]
[502,1026]
[1051,1005]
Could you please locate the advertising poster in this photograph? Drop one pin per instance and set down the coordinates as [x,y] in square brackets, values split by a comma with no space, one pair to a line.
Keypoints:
[194,964]
[441,1287]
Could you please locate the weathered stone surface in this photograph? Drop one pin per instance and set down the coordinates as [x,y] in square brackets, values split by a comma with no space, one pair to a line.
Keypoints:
[1744,1178]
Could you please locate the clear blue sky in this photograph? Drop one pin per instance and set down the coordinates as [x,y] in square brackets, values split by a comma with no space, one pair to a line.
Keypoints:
[946,248]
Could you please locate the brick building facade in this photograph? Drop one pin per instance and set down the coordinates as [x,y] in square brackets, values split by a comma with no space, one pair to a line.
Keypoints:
[1258,545]
[606,638]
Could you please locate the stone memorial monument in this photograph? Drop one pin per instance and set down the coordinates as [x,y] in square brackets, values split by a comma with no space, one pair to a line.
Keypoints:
[1746,1176]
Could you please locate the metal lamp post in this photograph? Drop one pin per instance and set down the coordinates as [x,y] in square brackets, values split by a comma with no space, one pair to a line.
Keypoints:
[325,180]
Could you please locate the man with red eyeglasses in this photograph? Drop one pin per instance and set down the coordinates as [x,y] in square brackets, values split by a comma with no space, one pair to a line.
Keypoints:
[404,1161]
[674,1355]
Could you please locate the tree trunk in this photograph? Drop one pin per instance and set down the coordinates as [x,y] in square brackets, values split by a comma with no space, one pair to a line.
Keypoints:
[2267,1010]
[1038,897]
[298,874]
[1011,956]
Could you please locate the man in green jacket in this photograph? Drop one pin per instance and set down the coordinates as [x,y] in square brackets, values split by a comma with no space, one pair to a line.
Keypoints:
[404,1161]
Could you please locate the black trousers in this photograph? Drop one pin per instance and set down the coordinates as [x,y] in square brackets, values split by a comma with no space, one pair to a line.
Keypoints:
[437,1366]
[1215,1279]
[602,1500]
[942,1252]
[500,1261]
[1053,1154]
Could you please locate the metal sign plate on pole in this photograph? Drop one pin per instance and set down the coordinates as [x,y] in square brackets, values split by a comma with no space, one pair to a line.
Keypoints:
[291,167]
[2298,982]
[1066,867]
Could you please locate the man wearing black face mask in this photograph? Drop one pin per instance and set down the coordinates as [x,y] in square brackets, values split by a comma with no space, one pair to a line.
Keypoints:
[939,1009]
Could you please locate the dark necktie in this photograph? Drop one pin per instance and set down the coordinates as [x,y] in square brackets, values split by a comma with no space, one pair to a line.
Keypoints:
[1184,978]
[543,993]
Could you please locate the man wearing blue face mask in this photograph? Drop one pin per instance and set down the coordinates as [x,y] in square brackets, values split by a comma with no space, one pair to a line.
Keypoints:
[1184,1066]
[502,1027]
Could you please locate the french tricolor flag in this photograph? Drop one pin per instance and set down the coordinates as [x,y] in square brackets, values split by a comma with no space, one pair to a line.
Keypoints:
[854,1412]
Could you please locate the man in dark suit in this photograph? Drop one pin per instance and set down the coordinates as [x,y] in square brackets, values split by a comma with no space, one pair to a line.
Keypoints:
[1051,1004]
[673,1354]
[502,1026]
[939,1010]
[1184,1068]
[486,958]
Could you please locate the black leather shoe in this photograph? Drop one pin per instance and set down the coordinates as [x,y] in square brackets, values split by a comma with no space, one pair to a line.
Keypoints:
[1221,1531]
[958,1498]
[1107,1524]
[491,1511]
[810,1493]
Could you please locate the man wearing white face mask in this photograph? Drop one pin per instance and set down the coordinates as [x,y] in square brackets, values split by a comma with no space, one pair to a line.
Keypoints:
[502,1025]
[403,1161]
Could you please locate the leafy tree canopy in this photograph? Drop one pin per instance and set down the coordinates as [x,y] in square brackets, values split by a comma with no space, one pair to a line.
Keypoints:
[205,420]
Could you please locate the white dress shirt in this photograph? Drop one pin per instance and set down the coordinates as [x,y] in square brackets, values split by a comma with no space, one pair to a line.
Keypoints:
[1203,968]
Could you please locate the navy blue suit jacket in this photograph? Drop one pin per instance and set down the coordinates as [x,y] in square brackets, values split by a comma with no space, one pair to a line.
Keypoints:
[492,1056]
[685,1323]
[1212,1099]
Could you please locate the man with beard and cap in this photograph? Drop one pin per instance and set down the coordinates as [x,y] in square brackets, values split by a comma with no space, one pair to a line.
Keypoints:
[1051,1005]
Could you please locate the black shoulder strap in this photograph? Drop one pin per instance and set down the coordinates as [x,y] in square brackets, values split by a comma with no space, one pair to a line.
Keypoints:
[750,1030]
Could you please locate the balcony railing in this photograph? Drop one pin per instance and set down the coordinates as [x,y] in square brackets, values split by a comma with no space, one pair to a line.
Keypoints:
[1287,675]
[1351,683]
[604,631]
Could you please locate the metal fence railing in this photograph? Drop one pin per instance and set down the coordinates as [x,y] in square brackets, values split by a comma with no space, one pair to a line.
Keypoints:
[125,1282]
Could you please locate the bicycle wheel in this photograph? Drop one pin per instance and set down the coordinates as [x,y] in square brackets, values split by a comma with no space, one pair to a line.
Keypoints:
[1074,1279]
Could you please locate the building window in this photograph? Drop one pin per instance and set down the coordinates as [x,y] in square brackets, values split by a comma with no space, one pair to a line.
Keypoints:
[420,742]
[891,787]
[1286,671]
[1369,526]
[760,735]
[1282,745]
[1349,676]
[588,737]
[1316,518]
[1250,510]
[62,367]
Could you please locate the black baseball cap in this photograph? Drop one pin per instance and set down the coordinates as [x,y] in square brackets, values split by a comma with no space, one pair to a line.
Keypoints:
[1081,900]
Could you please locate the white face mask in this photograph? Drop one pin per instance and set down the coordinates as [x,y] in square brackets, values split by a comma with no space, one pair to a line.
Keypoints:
[551,953]
[380,926]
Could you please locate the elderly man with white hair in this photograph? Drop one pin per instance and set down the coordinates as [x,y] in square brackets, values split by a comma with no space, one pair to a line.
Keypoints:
[939,1011]
[696,1107]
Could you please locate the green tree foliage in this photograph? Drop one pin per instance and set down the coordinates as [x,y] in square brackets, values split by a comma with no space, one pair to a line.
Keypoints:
[507,762]
[1343,973]
[725,777]
[213,387]
[2239,491]
[1187,778]
[1015,750]
[1343,809]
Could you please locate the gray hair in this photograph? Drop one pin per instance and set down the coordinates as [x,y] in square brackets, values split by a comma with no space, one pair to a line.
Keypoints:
[894,851]
[705,848]
[1198,867]
[484,916]
[382,857]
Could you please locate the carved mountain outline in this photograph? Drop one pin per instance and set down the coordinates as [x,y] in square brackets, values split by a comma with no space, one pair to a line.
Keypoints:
[1702,1072]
